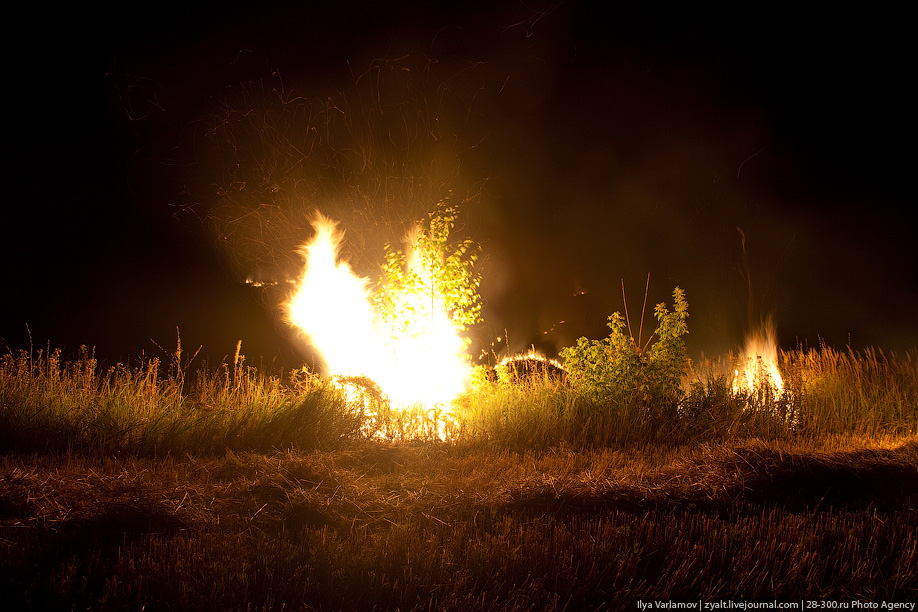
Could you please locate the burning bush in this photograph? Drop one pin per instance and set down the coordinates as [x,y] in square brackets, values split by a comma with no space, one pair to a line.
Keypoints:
[404,334]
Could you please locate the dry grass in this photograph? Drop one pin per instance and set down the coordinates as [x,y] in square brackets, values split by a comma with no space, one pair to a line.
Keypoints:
[436,526]
[236,490]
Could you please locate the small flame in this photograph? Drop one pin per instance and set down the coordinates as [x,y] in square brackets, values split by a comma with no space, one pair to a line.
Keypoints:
[760,364]
[531,355]
[418,360]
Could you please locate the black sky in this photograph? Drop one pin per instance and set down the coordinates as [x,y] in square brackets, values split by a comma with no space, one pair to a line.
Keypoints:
[615,143]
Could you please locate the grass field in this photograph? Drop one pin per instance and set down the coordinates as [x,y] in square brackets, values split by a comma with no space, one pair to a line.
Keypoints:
[146,486]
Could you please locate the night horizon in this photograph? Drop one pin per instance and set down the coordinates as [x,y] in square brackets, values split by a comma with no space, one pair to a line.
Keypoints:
[593,151]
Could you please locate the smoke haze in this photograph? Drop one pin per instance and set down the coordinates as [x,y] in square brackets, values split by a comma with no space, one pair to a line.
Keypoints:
[163,159]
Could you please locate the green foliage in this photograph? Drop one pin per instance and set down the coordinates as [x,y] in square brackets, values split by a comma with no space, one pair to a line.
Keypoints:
[432,271]
[618,369]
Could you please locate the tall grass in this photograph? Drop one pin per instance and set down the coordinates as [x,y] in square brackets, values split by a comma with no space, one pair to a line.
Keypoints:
[49,403]
[864,392]
[542,412]
[827,393]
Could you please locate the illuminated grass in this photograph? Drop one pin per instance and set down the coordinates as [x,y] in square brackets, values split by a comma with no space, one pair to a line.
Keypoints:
[827,393]
[866,392]
[47,404]
[232,489]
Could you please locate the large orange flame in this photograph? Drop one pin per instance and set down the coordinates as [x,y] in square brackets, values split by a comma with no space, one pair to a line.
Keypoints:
[758,369]
[417,359]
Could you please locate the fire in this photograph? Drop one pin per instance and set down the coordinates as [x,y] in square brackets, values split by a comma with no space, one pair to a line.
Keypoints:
[760,364]
[414,353]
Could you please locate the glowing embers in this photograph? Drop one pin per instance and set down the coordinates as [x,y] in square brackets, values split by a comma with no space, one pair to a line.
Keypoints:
[414,353]
[528,367]
[757,374]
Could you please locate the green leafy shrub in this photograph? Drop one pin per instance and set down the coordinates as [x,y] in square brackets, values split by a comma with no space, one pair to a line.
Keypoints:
[618,370]
[434,271]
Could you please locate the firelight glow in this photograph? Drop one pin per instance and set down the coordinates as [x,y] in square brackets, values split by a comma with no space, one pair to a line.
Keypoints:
[760,364]
[416,360]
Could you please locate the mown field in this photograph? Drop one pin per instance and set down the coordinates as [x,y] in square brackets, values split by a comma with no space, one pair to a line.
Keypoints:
[151,487]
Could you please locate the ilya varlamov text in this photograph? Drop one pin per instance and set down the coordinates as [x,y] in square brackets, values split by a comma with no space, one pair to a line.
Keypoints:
[722,604]
[725,604]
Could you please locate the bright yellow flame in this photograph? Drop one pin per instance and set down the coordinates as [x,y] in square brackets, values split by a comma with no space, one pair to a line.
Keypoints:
[420,361]
[532,355]
[760,364]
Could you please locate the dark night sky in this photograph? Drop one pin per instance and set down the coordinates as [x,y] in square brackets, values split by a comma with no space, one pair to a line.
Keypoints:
[610,144]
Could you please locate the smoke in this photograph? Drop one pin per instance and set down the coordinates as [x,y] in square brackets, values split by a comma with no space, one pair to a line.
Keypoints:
[377,156]
[587,151]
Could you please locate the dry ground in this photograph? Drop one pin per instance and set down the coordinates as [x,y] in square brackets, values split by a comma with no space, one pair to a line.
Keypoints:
[436,526]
